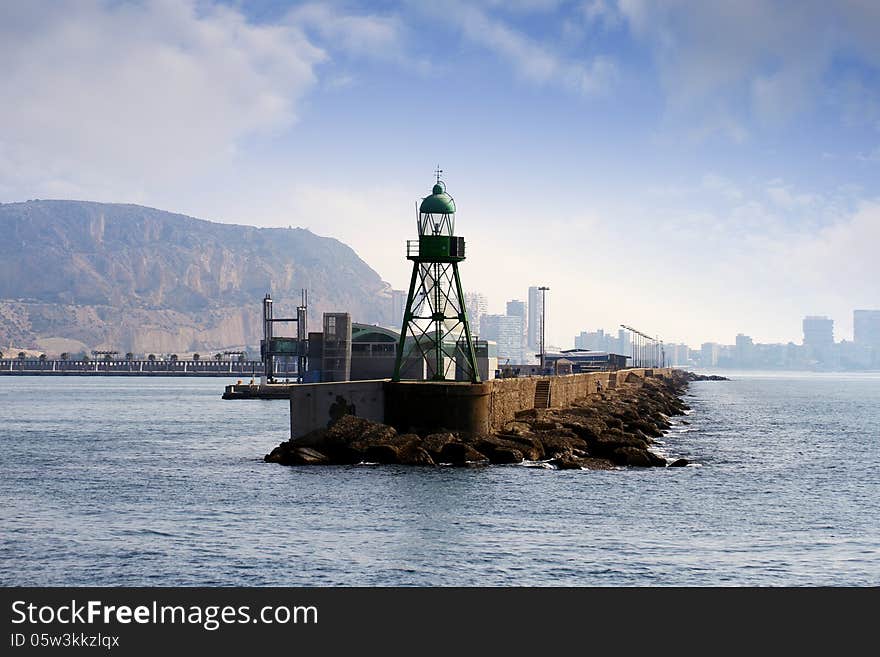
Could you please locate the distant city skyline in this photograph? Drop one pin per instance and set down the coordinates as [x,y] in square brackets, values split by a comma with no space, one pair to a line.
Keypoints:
[693,187]
[817,332]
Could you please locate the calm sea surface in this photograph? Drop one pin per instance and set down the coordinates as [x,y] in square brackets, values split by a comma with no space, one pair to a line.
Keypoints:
[107,481]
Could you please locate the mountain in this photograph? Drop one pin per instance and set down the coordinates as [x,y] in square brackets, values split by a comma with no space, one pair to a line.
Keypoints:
[131,278]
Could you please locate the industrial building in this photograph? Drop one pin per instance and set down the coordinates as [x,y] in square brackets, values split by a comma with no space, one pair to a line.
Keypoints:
[582,360]
[363,352]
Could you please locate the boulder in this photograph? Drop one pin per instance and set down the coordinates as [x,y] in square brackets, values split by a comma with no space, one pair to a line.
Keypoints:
[554,443]
[382,454]
[532,449]
[308,456]
[528,447]
[277,454]
[566,463]
[490,446]
[586,430]
[435,442]
[516,429]
[347,454]
[632,456]
[613,439]
[459,454]
[679,463]
[350,429]
[414,455]
[545,425]
[645,426]
[505,455]
[312,438]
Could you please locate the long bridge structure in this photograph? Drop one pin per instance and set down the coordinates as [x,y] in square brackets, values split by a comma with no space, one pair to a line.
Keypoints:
[131,367]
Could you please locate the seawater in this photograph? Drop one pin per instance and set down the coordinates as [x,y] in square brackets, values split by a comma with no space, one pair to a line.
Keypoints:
[110,481]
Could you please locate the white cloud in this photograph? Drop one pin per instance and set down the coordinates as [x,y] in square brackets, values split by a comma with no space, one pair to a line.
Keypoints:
[721,185]
[873,156]
[110,98]
[785,198]
[600,11]
[530,59]
[523,6]
[767,60]
[367,35]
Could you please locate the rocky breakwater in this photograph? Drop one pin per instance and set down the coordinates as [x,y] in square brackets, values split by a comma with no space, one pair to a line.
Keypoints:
[613,427]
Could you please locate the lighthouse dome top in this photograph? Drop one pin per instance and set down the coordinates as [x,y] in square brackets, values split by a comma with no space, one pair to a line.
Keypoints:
[439,202]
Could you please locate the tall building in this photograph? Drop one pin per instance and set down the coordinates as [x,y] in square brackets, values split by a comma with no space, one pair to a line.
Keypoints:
[594,341]
[745,349]
[516,308]
[866,328]
[477,305]
[533,325]
[398,304]
[623,342]
[602,341]
[676,355]
[506,331]
[818,331]
[709,354]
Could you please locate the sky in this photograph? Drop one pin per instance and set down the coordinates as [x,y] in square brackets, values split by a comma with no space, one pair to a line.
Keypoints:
[693,169]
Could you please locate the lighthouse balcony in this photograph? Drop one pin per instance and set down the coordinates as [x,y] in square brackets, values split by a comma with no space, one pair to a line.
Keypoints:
[436,248]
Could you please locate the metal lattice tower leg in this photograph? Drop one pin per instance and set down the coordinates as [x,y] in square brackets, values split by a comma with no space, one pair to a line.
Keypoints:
[436,323]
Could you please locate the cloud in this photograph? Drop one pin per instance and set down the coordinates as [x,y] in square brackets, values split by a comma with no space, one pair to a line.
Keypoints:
[105,99]
[524,6]
[721,185]
[873,156]
[363,35]
[786,199]
[532,60]
[751,58]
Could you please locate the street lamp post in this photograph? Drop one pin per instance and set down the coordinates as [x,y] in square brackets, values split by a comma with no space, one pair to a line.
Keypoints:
[543,290]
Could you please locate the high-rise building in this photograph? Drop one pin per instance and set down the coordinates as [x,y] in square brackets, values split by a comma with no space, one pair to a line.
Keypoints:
[818,331]
[506,331]
[477,305]
[602,341]
[516,308]
[533,325]
[745,349]
[623,342]
[676,355]
[866,328]
[398,304]
[594,341]
[709,354]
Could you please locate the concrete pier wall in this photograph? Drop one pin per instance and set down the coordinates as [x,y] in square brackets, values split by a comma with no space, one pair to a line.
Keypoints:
[316,405]
[430,406]
[412,406]
[510,396]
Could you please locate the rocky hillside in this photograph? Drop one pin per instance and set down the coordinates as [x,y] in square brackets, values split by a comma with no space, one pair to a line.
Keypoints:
[138,279]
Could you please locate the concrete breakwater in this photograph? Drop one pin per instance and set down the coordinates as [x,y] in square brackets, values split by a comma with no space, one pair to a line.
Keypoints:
[594,421]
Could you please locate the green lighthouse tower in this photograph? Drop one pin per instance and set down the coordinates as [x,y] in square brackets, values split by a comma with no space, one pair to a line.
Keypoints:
[435,322]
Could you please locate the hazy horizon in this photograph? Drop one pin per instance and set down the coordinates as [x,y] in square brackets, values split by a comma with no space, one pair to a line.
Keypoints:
[694,171]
